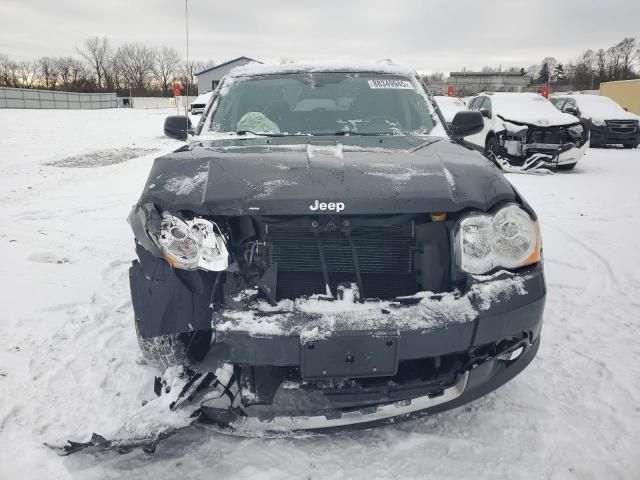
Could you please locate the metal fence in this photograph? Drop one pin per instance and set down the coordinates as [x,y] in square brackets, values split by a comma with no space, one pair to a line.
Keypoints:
[32,98]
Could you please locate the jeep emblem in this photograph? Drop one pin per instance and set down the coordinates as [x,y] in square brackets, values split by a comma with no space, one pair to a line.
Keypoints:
[333,206]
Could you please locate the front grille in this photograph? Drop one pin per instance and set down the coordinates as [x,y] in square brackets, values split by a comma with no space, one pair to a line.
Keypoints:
[548,136]
[622,126]
[385,256]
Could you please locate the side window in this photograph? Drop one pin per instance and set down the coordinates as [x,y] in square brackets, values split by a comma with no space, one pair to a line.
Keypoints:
[486,105]
[570,103]
[475,103]
[557,102]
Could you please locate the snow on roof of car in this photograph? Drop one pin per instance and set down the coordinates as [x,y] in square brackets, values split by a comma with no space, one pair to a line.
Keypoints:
[274,69]
[601,107]
[526,107]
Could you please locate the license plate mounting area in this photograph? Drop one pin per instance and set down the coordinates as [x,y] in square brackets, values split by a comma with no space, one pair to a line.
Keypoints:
[351,354]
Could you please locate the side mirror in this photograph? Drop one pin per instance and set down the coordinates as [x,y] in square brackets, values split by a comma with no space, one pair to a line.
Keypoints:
[466,123]
[485,113]
[177,126]
[570,110]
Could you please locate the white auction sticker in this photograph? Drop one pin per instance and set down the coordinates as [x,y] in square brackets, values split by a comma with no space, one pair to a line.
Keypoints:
[402,84]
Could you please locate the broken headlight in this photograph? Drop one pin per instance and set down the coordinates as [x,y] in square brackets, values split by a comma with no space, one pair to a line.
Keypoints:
[509,238]
[192,244]
[575,132]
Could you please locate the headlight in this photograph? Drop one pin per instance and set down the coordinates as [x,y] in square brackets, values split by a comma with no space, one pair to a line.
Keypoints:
[598,122]
[575,131]
[509,238]
[192,244]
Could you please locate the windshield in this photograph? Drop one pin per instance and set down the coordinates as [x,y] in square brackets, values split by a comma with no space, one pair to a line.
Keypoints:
[323,104]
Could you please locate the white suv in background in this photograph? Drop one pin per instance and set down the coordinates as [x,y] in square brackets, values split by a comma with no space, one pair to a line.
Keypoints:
[525,129]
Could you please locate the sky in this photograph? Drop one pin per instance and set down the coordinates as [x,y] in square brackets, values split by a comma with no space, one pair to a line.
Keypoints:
[426,35]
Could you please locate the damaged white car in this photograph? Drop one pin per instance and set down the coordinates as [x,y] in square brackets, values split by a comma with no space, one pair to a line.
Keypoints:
[524,131]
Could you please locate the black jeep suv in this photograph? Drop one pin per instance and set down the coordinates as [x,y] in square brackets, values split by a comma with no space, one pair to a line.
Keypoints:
[324,237]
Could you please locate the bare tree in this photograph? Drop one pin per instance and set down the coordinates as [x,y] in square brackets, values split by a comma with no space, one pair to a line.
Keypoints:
[627,54]
[601,64]
[166,62]
[64,68]
[533,70]
[72,74]
[96,52]
[111,74]
[186,73]
[613,62]
[434,77]
[135,62]
[27,73]
[48,73]
[8,72]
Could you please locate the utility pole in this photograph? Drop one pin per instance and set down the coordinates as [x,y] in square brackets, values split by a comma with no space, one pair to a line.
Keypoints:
[186,18]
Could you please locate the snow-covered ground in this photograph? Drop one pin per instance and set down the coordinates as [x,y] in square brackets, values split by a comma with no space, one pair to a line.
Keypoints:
[68,350]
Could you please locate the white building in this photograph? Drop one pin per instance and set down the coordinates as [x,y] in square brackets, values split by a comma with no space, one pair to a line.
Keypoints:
[208,79]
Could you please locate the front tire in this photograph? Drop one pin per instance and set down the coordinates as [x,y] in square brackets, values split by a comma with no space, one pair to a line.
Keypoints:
[491,149]
[166,351]
[630,145]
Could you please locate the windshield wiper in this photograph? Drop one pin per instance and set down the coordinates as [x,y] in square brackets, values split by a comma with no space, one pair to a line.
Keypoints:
[344,133]
[249,132]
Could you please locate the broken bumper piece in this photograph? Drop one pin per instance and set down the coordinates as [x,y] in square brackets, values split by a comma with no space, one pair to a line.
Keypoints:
[242,424]
[179,393]
[476,381]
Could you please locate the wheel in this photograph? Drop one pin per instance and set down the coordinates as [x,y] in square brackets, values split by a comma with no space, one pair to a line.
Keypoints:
[630,145]
[490,149]
[567,166]
[180,349]
[491,146]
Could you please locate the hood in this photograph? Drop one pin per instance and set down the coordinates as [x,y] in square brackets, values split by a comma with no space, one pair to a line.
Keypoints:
[597,107]
[539,119]
[529,109]
[603,116]
[254,177]
[202,99]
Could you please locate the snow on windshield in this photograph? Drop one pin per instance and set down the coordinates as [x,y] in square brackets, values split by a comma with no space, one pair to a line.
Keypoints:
[255,68]
[323,103]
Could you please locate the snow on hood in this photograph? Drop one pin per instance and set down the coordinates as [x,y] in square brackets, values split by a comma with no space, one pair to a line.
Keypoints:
[255,68]
[449,106]
[529,108]
[601,108]
[283,177]
[202,99]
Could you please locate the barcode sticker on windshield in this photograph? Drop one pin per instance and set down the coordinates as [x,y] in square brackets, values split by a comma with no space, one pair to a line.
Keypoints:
[402,84]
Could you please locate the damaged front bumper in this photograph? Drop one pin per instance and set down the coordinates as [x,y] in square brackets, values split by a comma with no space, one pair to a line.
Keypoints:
[317,372]
[542,154]
[565,155]
[530,146]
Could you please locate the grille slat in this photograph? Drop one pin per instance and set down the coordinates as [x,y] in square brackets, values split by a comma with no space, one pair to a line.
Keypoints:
[385,256]
[622,126]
